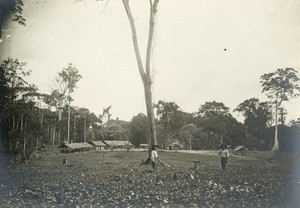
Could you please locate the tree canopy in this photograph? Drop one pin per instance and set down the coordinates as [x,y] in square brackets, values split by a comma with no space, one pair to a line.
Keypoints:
[280,86]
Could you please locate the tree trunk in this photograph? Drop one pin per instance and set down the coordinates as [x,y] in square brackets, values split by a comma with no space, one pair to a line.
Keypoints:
[13,120]
[24,147]
[42,128]
[53,135]
[59,126]
[145,75]
[276,146]
[22,123]
[69,118]
[49,133]
[84,130]
[150,113]
[24,136]
[74,130]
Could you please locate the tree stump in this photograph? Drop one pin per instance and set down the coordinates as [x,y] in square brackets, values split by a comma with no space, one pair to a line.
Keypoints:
[65,162]
[196,164]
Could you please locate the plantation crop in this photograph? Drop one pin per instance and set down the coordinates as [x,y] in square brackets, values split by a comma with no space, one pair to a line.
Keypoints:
[115,179]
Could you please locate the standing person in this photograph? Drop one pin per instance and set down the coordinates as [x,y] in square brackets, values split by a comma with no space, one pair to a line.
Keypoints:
[224,154]
[154,156]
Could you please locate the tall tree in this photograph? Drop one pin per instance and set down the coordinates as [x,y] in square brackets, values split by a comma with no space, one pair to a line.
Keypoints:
[145,70]
[257,116]
[215,119]
[84,113]
[16,109]
[167,113]
[213,108]
[139,129]
[65,83]
[280,86]
[70,76]
[106,115]
[187,133]
[170,119]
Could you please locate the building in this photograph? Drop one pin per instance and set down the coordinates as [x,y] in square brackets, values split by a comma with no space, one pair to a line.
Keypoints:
[98,145]
[75,147]
[175,146]
[144,146]
[117,144]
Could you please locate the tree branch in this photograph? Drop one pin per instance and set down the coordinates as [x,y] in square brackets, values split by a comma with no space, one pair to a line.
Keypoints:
[134,38]
[105,6]
[153,11]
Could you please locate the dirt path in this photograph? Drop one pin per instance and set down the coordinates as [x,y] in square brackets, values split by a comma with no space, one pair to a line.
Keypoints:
[202,152]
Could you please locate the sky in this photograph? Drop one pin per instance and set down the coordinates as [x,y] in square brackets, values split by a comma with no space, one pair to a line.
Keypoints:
[203,50]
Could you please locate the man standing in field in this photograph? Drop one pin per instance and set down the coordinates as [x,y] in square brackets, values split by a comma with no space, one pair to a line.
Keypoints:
[154,156]
[224,154]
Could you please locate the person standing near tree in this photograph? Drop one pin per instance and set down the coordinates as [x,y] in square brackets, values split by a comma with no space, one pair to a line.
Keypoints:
[224,154]
[154,156]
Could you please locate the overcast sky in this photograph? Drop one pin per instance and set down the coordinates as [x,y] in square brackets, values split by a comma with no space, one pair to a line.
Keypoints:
[204,50]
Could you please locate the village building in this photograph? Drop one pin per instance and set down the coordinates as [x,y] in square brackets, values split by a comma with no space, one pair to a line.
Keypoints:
[240,150]
[67,147]
[98,145]
[143,146]
[117,144]
[175,146]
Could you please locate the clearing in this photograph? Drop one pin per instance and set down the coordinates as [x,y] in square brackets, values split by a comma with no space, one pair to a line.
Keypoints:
[115,179]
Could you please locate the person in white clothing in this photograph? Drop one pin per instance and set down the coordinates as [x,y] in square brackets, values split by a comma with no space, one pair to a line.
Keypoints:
[154,156]
[224,154]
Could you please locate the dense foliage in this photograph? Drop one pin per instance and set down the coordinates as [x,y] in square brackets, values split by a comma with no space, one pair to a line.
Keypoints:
[31,120]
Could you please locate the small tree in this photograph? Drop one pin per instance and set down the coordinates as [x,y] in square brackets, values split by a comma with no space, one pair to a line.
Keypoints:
[187,133]
[280,86]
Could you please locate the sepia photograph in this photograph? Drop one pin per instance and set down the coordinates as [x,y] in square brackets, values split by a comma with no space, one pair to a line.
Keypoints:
[153,103]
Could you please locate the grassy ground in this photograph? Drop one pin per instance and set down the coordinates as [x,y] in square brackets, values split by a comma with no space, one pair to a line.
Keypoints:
[114,179]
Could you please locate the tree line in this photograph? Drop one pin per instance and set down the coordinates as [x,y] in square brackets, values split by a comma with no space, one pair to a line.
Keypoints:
[31,119]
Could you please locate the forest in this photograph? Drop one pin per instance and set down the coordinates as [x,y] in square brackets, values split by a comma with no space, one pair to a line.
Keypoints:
[31,119]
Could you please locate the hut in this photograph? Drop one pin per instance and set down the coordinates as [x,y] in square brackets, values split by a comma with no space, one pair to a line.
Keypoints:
[240,150]
[98,145]
[117,144]
[144,146]
[67,147]
[174,146]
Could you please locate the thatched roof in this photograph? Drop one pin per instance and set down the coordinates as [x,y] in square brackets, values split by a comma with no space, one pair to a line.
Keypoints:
[80,145]
[239,148]
[98,143]
[117,143]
